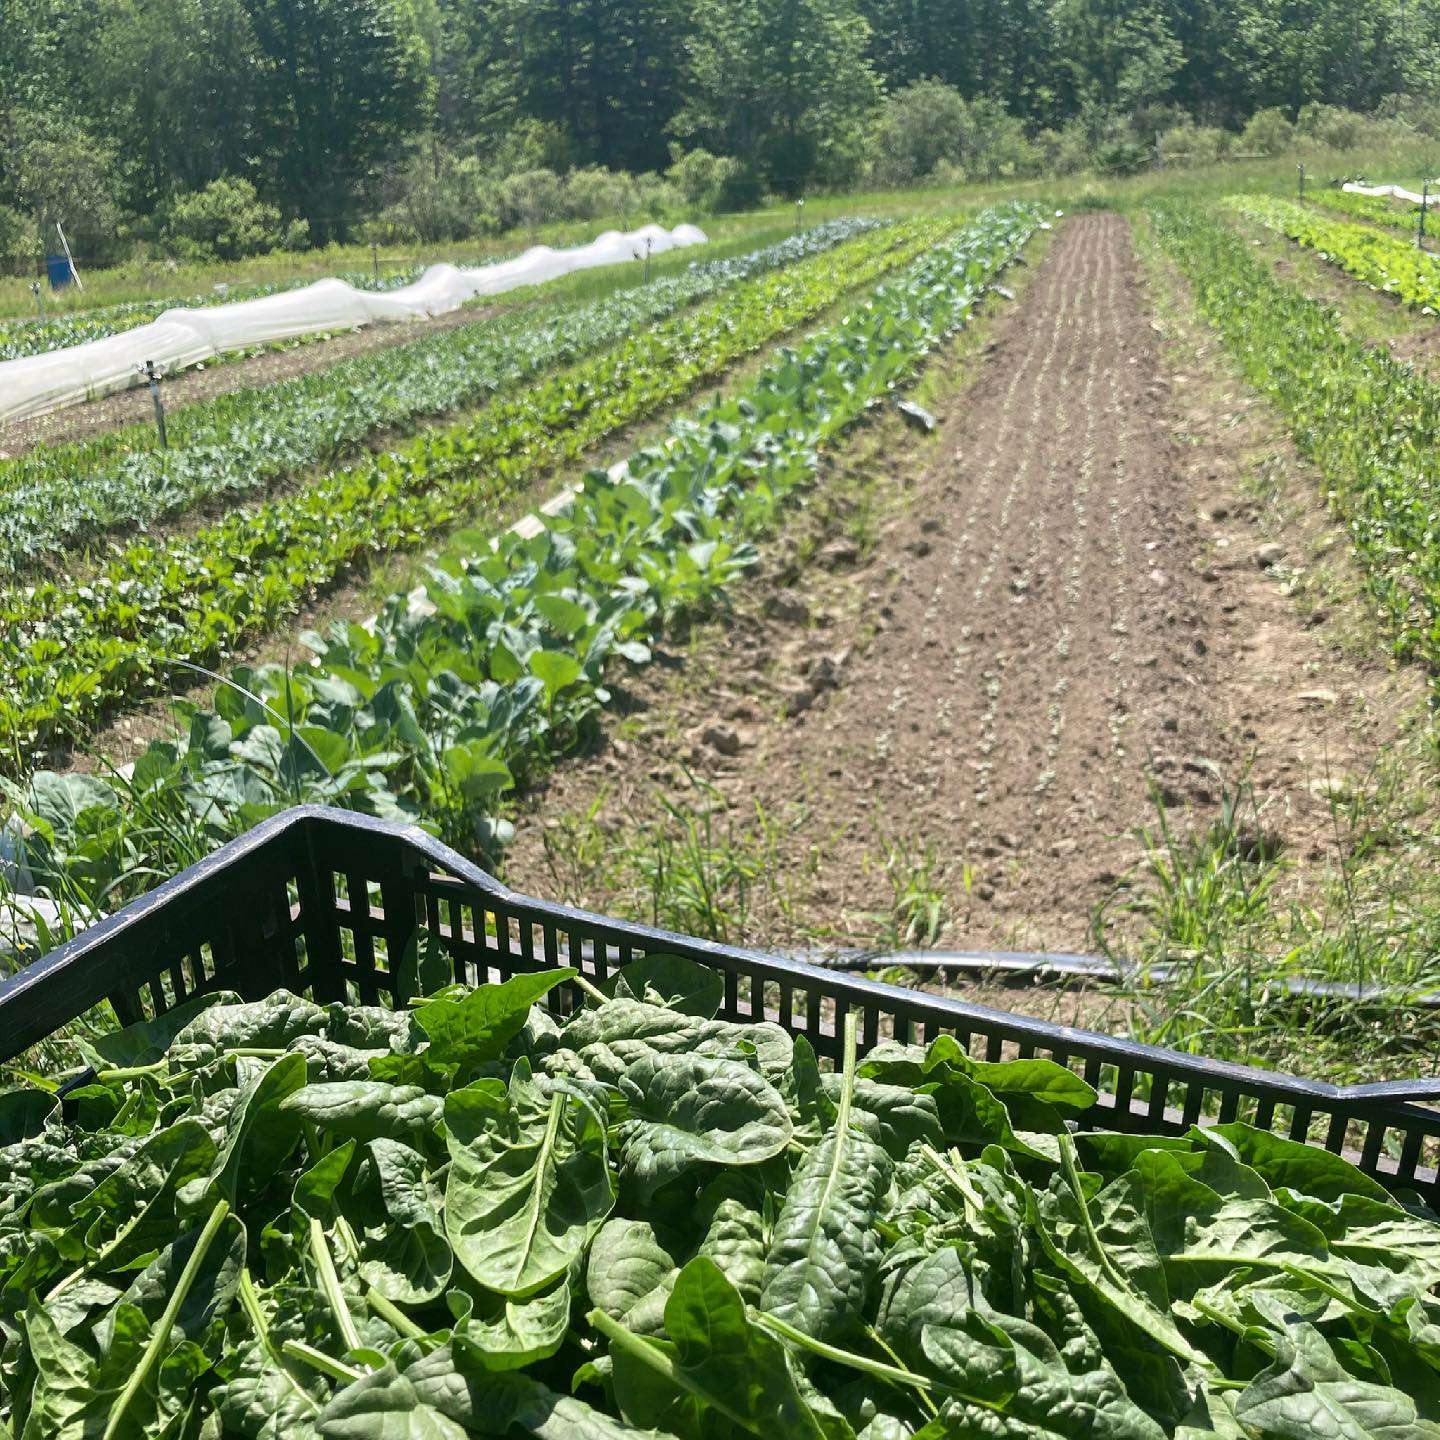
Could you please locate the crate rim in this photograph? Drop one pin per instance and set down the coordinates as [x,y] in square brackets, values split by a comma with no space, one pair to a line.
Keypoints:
[1043,1034]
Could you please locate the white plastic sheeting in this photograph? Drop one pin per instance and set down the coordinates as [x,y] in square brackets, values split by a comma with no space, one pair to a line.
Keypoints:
[1397,191]
[178,338]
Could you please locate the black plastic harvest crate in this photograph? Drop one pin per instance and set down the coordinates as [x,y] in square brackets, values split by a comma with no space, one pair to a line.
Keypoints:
[325,902]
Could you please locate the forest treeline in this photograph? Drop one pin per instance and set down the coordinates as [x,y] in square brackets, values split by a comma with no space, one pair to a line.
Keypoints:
[221,126]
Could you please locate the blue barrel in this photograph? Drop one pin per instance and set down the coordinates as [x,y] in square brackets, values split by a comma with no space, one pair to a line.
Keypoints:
[61,271]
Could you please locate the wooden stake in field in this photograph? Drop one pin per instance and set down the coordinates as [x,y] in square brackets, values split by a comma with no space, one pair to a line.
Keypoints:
[69,258]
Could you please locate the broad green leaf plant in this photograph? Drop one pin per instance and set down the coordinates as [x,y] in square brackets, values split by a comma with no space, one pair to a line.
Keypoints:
[639,1221]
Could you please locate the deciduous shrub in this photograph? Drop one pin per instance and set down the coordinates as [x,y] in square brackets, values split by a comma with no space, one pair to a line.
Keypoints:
[1267,132]
[435,194]
[919,126]
[928,129]
[225,221]
[17,238]
[1188,143]
[531,198]
[1063,151]
[708,182]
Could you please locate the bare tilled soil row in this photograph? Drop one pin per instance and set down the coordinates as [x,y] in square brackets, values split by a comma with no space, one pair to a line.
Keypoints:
[1070,606]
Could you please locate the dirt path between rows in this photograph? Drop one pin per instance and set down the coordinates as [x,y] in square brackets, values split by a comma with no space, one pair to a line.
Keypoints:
[1069,603]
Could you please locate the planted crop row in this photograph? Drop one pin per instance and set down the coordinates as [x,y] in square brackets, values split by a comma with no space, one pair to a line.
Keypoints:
[1370,424]
[69,651]
[54,497]
[1374,209]
[19,339]
[1397,267]
[436,711]
[483,1216]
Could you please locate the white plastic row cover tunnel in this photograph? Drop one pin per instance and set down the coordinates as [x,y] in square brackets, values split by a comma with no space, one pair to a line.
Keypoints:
[1396,191]
[178,338]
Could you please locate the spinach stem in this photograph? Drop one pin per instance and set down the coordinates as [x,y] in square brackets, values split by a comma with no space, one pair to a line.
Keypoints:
[125,1073]
[255,1313]
[319,1360]
[593,991]
[847,1074]
[638,1349]
[1236,1327]
[1299,1272]
[878,1340]
[345,1234]
[896,1374]
[974,1204]
[160,1337]
[330,1286]
[393,1315]
[1097,1246]
[63,1285]
[250,1304]
[1161,1329]
[315,1148]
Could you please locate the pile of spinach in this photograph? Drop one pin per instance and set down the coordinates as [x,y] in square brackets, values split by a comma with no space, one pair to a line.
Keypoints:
[473,1217]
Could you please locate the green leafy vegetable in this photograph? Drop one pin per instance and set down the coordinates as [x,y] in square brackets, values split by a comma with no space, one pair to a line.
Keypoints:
[668,1224]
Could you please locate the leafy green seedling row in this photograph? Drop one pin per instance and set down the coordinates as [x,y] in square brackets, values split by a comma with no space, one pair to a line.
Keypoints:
[56,497]
[641,1221]
[71,651]
[1374,209]
[441,707]
[1393,265]
[1370,423]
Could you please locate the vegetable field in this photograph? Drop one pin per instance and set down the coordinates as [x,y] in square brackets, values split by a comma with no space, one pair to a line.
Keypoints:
[1385,262]
[437,711]
[76,649]
[1041,608]
[61,496]
[1366,421]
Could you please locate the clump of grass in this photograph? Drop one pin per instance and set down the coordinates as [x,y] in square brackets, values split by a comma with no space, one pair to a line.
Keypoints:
[919,907]
[696,868]
[1247,953]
